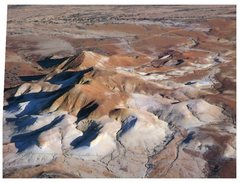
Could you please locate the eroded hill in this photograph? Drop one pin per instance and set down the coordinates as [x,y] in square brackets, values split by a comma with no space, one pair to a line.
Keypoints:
[145,100]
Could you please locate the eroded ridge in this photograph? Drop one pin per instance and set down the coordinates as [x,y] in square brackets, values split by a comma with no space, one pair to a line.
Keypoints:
[119,121]
[153,99]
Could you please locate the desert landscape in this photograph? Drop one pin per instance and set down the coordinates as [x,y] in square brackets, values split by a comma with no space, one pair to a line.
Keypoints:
[120,92]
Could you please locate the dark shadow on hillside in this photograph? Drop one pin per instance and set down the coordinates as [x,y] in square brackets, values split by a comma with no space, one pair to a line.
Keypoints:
[188,138]
[86,110]
[41,100]
[89,135]
[32,78]
[22,123]
[68,78]
[127,124]
[37,101]
[190,82]
[49,62]
[39,95]
[27,140]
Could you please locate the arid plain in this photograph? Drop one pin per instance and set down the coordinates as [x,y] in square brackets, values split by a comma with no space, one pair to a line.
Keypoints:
[120,91]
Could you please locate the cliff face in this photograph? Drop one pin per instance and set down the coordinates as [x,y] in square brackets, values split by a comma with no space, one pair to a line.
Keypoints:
[157,105]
